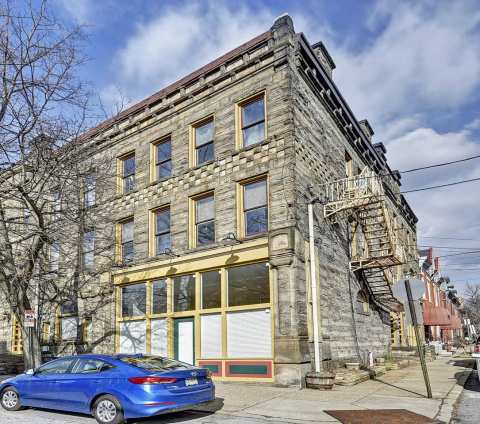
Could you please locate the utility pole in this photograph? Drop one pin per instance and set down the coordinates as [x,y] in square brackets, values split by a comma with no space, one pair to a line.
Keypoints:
[313,280]
[421,353]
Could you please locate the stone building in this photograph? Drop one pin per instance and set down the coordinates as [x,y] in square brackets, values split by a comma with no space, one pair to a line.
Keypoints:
[214,175]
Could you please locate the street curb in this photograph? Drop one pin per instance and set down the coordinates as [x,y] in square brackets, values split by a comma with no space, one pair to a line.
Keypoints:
[445,411]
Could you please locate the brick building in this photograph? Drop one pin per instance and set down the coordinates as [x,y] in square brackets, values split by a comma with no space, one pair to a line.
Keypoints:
[214,175]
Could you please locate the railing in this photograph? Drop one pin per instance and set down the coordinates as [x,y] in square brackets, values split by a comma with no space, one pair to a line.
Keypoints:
[366,184]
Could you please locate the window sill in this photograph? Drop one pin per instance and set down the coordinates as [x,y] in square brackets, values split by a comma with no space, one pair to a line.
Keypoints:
[253,146]
[203,247]
[195,167]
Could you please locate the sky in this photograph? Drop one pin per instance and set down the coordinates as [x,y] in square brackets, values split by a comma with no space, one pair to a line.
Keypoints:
[412,68]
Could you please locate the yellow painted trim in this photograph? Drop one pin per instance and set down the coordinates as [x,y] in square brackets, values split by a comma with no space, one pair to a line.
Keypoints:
[240,206]
[153,157]
[238,116]
[192,151]
[253,250]
[192,224]
[151,228]
[120,160]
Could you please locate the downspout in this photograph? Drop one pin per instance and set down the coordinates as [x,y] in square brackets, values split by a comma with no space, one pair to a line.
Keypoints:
[313,279]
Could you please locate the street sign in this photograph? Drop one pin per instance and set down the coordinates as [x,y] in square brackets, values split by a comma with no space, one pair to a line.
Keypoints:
[29,318]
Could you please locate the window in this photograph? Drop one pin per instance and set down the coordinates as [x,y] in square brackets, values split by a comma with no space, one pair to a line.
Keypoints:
[252,121]
[203,142]
[248,285]
[133,337]
[204,220]
[88,366]
[255,209]
[128,173]
[68,307]
[363,306]
[89,190]
[54,256]
[159,294]
[127,248]
[68,327]
[57,203]
[88,248]
[134,300]
[163,159]
[184,293]
[211,289]
[162,230]
[60,366]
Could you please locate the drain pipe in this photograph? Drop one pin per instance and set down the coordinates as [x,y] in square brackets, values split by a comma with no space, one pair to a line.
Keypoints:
[313,279]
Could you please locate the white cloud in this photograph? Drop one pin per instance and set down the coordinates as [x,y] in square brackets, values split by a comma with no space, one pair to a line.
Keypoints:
[426,56]
[78,10]
[183,39]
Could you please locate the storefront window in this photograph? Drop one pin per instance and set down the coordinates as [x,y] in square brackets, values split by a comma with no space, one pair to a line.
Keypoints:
[159,294]
[134,300]
[211,289]
[184,293]
[248,285]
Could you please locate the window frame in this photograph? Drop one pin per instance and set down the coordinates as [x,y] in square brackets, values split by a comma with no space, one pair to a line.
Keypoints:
[89,190]
[241,222]
[119,236]
[193,149]
[239,140]
[86,252]
[152,249]
[147,302]
[121,178]
[154,177]
[193,224]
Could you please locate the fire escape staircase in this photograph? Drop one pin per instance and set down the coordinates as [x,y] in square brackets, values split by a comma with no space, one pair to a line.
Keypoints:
[363,197]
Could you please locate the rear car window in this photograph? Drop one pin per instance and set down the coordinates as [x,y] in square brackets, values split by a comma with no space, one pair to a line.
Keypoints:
[154,363]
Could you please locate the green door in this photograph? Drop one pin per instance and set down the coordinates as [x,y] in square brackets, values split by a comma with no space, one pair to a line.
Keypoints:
[184,340]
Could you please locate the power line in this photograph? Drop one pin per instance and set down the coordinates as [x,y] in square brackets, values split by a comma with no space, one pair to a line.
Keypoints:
[448,247]
[448,238]
[440,164]
[440,186]
[459,254]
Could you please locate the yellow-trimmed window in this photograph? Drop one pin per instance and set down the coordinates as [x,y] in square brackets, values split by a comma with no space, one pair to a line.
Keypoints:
[202,148]
[126,172]
[161,237]
[202,220]
[125,240]
[251,121]
[161,159]
[254,207]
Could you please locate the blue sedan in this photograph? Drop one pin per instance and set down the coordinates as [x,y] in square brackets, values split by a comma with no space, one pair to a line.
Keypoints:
[112,388]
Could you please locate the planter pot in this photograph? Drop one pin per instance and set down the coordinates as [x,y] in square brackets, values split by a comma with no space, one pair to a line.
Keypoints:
[320,380]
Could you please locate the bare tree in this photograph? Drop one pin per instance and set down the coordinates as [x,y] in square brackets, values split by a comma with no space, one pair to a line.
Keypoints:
[472,304]
[55,237]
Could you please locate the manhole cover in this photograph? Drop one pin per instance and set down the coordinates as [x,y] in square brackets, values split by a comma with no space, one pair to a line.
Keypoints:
[380,416]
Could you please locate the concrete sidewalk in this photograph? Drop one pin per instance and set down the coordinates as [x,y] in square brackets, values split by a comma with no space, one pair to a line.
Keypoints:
[262,404]
[400,389]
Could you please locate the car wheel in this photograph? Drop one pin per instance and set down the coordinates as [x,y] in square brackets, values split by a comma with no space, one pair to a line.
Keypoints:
[10,399]
[107,410]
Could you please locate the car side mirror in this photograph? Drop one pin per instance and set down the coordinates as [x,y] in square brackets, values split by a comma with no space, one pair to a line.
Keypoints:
[31,371]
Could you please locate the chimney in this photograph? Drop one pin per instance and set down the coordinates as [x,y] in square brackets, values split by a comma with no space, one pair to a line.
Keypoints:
[324,57]
[367,129]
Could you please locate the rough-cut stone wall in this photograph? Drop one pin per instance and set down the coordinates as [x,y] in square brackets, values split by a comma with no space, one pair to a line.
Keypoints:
[320,157]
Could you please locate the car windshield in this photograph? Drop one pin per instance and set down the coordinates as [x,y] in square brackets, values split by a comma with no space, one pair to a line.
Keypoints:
[154,363]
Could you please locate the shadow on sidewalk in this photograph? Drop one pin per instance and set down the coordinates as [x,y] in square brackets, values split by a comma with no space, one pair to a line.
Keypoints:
[400,388]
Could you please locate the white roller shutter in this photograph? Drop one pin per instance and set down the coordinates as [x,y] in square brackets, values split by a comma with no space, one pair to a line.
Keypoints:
[159,340]
[249,334]
[211,336]
[132,337]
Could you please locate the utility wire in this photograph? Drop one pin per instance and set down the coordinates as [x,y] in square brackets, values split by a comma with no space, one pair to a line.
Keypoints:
[439,164]
[440,185]
[447,238]
[458,254]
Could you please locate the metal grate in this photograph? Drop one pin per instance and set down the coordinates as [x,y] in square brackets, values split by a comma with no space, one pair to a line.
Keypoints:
[381,416]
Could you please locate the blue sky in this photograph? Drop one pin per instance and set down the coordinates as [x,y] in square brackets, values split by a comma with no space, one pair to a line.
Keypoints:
[411,67]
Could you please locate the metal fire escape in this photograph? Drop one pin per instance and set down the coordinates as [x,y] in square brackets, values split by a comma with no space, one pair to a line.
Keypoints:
[363,196]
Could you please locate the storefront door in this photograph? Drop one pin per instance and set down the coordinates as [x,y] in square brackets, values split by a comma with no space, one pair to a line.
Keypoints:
[184,340]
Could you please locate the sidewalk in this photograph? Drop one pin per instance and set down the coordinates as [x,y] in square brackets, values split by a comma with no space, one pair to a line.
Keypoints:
[400,389]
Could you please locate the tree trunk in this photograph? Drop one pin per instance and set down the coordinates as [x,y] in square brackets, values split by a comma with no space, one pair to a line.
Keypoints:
[32,353]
